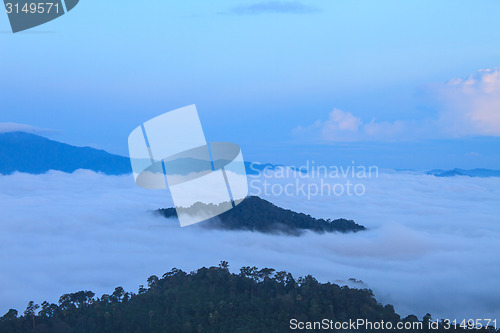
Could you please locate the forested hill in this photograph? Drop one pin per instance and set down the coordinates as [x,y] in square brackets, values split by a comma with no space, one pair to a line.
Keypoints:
[208,300]
[256,214]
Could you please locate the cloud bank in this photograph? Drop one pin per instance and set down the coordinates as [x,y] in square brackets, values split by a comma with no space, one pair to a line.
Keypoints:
[342,126]
[471,106]
[432,244]
[466,107]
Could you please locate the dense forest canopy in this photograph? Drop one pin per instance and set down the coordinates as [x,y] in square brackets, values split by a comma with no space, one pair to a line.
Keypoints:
[209,300]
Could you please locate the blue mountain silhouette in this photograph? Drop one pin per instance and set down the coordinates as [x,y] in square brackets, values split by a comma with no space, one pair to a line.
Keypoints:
[30,153]
[463,172]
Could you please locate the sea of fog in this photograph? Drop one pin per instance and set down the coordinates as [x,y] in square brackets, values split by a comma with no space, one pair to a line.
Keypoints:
[432,244]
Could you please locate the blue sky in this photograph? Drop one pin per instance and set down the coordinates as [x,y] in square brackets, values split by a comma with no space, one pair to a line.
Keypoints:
[267,75]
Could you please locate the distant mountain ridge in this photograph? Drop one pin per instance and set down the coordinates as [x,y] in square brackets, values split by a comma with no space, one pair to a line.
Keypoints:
[256,214]
[35,154]
[30,153]
[463,172]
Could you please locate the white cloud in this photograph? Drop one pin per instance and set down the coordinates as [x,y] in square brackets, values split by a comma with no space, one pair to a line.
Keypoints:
[471,106]
[16,127]
[342,126]
[432,244]
[467,107]
[343,121]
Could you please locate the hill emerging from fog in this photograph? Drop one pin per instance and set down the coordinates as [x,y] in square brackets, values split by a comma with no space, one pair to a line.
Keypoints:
[34,154]
[259,215]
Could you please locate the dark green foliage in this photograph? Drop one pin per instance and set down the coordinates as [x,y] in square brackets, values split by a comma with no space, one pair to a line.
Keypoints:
[207,300]
[256,214]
